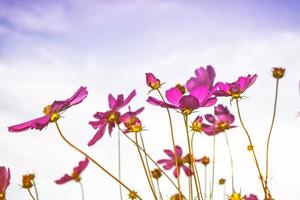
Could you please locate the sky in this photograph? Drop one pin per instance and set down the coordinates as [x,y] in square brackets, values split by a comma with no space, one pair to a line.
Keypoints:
[48,49]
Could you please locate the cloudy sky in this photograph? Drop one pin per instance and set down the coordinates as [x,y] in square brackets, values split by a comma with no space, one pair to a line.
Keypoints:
[48,49]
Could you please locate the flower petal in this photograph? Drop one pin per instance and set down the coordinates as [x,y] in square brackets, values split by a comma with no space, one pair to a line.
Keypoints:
[38,123]
[99,134]
[174,95]
[66,178]
[160,103]
[81,166]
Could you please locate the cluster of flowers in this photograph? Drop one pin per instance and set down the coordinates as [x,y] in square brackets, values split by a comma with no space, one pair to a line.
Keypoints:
[199,91]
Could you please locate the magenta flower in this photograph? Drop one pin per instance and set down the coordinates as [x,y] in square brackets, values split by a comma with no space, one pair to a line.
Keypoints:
[204,77]
[131,121]
[109,118]
[4,180]
[181,161]
[152,81]
[75,175]
[220,121]
[52,112]
[236,88]
[250,197]
[198,97]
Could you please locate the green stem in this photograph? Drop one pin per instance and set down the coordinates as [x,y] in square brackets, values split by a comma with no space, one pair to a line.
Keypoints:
[93,160]
[253,151]
[270,132]
[173,143]
[145,170]
[82,191]
[231,162]
[31,195]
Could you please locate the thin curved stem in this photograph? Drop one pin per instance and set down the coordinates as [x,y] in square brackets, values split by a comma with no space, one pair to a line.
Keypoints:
[231,162]
[205,179]
[147,163]
[82,190]
[213,169]
[158,188]
[173,143]
[145,169]
[270,132]
[196,170]
[31,195]
[192,164]
[93,160]
[252,149]
[119,163]
[35,190]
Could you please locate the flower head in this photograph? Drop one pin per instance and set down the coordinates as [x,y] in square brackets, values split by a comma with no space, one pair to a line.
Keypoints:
[4,181]
[175,197]
[235,196]
[250,197]
[181,161]
[51,112]
[197,124]
[278,72]
[131,121]
[205,160]
[110,118]
[204,77]
[236,88]
[199,97]
[222,181]
[152,81]
[27,181]
[220,121]
[75,175]
[156,173]
[132,195]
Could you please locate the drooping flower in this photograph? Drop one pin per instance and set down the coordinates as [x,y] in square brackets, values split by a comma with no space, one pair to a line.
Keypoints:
[4,181]
[110,118]
[152,81]
[181,161]
[199,97]
[52,112]
[220,121]
[236,88]
[204,77]
[27,181]
[278,72]
[75,175]
[131,121]
[250,197]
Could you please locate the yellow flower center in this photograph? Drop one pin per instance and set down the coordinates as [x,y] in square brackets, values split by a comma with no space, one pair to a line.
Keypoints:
[47,110]
[186,111]
[278,72]
[223,126]
[27,181]
[75,176]
[112,118]
[54,117]
[132,195]
[155,85]
[136,127]
[175,197]
[235,196]
[2,195]
[197,126]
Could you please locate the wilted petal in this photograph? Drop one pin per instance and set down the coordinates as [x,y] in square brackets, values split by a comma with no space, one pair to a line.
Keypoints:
[81,166]
[66,178]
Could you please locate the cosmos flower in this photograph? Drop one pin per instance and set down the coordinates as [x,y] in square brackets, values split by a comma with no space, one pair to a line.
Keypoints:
[27,180]
[75,174]
[250,197]
[181,161]
[152,81]
[131,121]
[278,72]
[220,121]
[204,77]
[52,112]
[199,97]
[4,181]
[236,88]
[109,118]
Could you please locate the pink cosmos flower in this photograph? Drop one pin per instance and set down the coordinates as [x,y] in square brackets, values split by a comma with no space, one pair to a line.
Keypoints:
[131,121]
[109,118]
[152,81]
[250,197]
[220,121]
[181,161]
[236,88]
[204,77]
[75,174]
[4,180]
[199,97]
[52,112]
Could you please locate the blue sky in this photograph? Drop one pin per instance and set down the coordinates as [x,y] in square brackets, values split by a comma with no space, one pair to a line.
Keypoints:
[49,48]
